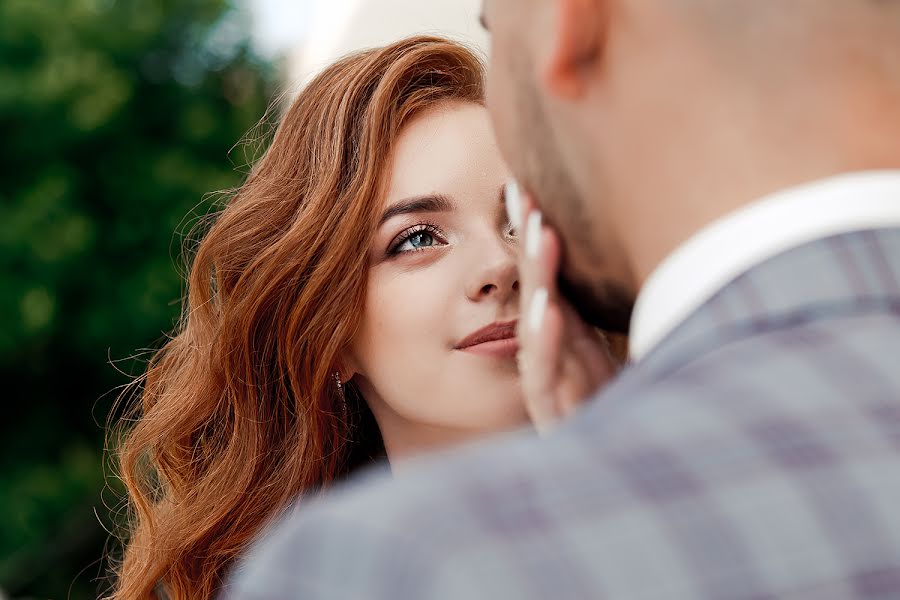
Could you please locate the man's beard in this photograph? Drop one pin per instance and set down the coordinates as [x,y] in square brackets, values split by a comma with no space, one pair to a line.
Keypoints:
[602,304]
[605,306]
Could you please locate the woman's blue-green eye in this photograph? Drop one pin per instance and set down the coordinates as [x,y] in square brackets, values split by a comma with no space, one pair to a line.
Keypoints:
[422,239]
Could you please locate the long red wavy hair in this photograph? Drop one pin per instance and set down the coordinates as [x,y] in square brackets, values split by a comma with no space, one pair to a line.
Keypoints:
[238,414]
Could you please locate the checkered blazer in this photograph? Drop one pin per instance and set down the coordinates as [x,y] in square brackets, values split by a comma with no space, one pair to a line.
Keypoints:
[754,454]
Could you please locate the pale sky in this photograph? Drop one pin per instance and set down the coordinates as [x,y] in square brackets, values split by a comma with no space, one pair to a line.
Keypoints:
[280,25]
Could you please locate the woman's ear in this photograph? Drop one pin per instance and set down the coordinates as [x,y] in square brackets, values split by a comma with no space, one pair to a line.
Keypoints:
[346,368]
[577,39]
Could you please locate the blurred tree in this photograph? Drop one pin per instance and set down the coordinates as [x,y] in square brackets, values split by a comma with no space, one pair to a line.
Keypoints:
[116,119]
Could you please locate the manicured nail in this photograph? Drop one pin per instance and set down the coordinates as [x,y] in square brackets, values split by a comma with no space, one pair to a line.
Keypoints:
[513,204]
[537,309]
[533,234]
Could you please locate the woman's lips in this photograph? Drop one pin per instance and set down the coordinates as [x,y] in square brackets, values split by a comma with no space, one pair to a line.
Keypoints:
[505,348]
[496,340]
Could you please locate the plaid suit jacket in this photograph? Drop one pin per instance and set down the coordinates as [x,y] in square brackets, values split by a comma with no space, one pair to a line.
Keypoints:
[754,454]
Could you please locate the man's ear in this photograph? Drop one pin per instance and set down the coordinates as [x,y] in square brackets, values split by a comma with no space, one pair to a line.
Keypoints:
[578,37]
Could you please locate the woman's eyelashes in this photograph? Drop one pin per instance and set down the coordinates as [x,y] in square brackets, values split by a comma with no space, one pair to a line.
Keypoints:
[417,238]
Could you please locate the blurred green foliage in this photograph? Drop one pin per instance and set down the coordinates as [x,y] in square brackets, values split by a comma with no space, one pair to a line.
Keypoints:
[116,120]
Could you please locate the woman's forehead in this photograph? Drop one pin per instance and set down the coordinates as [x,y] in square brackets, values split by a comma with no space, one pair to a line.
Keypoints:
[447,150]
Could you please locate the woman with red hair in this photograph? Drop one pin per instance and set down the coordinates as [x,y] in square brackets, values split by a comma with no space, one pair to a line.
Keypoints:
[356,298]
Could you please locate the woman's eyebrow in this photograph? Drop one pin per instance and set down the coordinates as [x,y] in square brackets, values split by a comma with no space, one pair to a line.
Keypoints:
[418,204]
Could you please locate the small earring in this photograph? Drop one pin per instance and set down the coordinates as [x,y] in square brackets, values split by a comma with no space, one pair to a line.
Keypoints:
[340,388]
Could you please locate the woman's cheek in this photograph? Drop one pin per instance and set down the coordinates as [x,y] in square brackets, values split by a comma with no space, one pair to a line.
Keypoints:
[413,328]
[413,312]
[393,320]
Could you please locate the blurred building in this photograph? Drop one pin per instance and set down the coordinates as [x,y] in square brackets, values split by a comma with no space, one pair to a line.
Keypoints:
[336,27]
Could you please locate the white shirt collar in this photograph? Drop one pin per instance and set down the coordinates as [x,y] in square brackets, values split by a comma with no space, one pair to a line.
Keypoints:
[732,245]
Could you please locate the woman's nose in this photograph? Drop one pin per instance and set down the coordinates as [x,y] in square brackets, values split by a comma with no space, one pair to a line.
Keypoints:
[495,276]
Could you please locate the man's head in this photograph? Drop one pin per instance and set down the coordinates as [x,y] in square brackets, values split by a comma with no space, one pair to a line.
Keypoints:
[634,123]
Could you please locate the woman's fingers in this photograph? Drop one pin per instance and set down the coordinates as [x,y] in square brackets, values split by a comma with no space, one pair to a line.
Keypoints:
[562,360]
[540,376]
[544,324]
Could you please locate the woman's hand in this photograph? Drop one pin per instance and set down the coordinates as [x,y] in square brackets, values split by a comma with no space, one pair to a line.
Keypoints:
[562,360]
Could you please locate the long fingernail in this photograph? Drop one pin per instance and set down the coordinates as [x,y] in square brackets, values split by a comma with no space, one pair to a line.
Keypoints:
[537,309]
[533,234]
[513,204]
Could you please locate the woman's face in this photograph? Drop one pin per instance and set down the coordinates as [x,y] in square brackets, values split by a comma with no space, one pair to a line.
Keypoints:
[443,269]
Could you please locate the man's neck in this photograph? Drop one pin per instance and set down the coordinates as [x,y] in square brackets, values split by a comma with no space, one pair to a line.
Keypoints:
[657,228]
